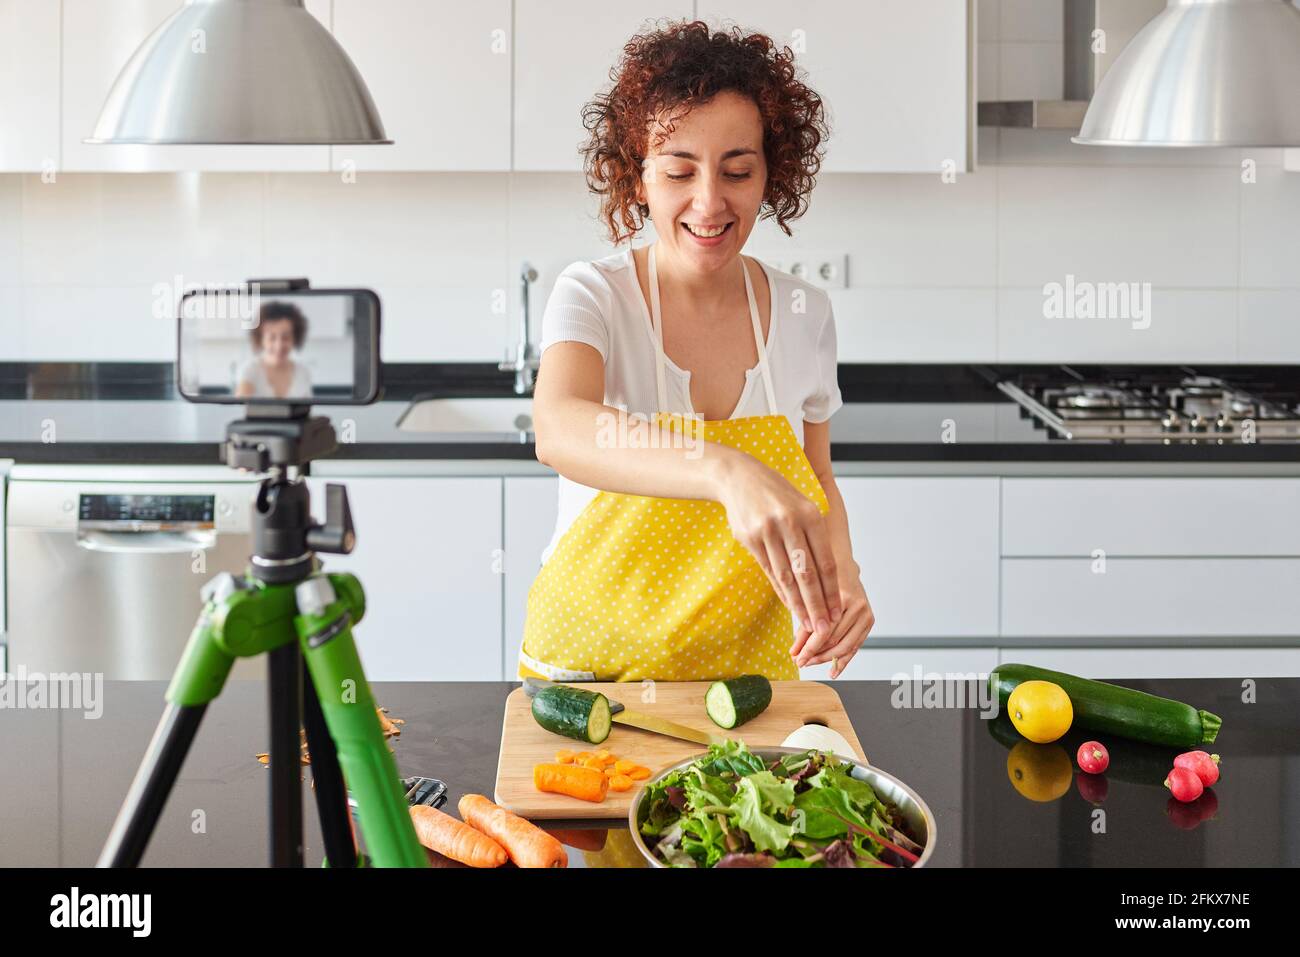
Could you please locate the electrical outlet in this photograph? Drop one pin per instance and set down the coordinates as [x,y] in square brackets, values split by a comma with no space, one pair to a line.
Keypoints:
[819,267]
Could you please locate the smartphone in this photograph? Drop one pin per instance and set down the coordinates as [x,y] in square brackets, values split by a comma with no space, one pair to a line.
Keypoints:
[248,345]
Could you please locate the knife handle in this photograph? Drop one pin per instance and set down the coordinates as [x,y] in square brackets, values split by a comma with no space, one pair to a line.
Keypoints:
[534,685]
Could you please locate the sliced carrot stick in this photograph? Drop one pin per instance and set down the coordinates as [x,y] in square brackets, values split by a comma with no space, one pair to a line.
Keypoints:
[452,838]
[527,844]
[623,766]
[639,773]
[588,784]
[564,757]
[620,782]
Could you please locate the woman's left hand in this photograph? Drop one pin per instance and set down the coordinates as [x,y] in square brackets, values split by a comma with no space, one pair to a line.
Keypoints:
[845,638]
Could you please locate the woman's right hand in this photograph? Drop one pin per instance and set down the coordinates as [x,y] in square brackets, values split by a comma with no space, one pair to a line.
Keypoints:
[788,536]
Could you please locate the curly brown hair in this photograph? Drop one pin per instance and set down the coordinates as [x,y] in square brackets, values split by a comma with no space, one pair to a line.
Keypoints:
[676,67]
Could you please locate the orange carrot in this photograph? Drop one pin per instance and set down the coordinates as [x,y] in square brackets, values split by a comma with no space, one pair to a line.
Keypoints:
[623,766]
[589,784]
[620,782]
[527,844]
[452,838]
[639,773]
[564,757]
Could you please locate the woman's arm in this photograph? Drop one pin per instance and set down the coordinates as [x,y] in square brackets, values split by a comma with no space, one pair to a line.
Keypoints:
[782,529]
[858,618]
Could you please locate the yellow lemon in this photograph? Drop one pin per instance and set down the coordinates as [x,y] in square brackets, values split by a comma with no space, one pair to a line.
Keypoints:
[1040,772]
[1040,710]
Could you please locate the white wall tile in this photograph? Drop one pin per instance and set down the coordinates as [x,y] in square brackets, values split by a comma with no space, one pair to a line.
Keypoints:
[899,230]
[915,324]
[988,59]
[1270,220]
[108,323]
[111,229]
[1269,326]
[1186,325]
[1169,227]
[1037,21]
[11,230]
[1031,71]
[988,13]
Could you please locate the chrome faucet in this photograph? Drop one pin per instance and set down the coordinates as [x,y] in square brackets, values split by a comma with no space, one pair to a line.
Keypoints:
[525,360]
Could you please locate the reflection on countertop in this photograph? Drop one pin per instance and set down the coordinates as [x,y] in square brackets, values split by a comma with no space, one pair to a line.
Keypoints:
[997,800]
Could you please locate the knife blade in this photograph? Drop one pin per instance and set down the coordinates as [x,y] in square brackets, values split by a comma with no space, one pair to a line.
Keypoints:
[637,719]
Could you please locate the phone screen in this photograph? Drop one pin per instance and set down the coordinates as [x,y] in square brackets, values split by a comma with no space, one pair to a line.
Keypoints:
[301,347]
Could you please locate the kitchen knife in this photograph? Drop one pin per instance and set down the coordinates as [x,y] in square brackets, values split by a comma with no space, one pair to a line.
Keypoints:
[638,719]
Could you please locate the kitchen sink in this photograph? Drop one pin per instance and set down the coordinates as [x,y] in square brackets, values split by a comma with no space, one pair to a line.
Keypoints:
[505,414]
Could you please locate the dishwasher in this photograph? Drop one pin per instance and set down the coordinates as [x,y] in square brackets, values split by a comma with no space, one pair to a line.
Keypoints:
[104,574]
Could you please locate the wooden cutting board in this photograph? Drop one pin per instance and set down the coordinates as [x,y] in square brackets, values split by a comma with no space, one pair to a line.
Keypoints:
[525,743]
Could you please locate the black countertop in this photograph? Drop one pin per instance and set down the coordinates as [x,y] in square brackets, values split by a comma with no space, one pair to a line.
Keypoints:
[996,803]
[129,413]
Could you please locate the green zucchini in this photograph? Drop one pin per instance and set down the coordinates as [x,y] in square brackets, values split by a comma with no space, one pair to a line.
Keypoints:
[1115,710]
[573,712]
[733,701]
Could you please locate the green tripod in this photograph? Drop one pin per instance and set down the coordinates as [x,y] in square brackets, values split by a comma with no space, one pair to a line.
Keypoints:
[301,618]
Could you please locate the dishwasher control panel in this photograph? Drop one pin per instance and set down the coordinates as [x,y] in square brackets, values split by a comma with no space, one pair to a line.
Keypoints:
[153,511]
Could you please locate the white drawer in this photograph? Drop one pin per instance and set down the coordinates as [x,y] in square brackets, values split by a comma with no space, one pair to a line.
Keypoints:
[1065,597]
[1120,663]
[1151,516]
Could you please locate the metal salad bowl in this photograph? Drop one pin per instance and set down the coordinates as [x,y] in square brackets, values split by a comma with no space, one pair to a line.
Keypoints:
[889,788]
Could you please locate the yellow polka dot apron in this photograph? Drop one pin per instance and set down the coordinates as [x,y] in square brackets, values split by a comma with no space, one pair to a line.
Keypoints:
[641,587]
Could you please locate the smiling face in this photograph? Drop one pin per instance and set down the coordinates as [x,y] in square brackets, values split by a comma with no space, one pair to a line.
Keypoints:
[704,183]
[277,341]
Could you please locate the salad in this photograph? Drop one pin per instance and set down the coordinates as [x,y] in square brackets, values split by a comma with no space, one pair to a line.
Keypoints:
[728,808]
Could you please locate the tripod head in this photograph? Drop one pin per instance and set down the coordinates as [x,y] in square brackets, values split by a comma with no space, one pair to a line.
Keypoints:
[282,440]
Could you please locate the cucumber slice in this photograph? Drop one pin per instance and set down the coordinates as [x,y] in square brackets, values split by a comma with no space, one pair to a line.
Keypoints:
[573,712]
[733,701]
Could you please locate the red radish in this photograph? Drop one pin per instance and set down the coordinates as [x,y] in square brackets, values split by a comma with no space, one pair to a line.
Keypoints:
[1184,784]
[1093,788]
[1204,766]
[1093,757]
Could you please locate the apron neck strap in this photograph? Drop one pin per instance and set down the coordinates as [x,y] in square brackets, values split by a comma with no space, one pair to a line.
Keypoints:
[656,319]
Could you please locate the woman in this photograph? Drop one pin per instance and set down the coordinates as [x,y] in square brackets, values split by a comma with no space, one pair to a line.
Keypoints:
[676,559]
[272,373]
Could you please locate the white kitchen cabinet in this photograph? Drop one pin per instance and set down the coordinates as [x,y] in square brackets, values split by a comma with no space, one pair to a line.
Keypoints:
[1138,517]
[99,37]
[427,554]
[530,510]
[439,72]
[29,86]
[563,54]
[928,548]
[893,75]
[1131,663]
[1171,598]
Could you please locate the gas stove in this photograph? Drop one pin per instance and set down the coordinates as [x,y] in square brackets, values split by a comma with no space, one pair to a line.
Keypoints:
[1166,405]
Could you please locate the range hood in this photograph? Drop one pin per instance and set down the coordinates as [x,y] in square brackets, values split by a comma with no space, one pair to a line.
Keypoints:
[1119,22]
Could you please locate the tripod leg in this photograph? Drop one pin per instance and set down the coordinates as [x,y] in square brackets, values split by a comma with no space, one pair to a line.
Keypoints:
[153,783]
[284,671]
[327,776]
[325,631]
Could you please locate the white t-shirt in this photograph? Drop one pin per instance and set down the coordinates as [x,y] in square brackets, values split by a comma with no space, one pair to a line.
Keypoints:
[600,303]
[254,373]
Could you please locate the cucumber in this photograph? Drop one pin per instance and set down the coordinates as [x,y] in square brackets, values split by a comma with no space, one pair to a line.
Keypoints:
[733,701]
[573,712]
[1115,710]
